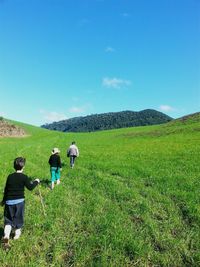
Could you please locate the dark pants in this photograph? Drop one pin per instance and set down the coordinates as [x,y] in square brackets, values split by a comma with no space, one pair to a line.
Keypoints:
[14,215]
[72,160]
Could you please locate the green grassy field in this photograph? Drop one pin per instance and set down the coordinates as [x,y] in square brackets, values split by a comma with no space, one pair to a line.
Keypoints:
[133,198]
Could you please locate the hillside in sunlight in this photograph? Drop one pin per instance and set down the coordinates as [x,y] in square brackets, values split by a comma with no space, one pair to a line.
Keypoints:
[8,129]
[132,199]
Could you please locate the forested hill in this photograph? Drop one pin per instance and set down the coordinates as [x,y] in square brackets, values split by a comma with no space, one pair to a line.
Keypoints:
[110,120]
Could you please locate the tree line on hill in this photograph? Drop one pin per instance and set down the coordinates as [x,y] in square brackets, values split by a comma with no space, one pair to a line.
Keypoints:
[111,120]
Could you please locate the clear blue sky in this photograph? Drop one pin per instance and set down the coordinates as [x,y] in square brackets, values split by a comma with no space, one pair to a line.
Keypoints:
[66,58]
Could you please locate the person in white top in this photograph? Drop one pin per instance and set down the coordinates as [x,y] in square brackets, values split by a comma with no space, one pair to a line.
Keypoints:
[72,153]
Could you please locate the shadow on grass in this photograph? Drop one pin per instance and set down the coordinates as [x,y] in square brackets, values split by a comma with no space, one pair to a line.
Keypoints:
[64,164]
[45,183]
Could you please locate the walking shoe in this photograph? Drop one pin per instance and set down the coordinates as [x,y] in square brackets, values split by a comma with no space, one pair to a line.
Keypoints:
[58,181]
[52,185]
[5,244]
[17,234]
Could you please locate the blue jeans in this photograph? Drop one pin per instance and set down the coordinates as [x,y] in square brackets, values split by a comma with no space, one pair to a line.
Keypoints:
[72,160]
[14,215]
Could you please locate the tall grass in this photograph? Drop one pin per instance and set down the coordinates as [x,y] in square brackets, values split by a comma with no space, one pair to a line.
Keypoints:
[131,200]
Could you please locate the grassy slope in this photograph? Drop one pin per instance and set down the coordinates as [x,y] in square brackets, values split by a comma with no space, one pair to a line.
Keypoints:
[132,199]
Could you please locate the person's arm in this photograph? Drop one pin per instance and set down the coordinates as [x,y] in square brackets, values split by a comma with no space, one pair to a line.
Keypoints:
[59,162]
[77,151]
[30,185]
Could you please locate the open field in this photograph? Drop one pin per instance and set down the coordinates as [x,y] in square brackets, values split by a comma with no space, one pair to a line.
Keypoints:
[133,198]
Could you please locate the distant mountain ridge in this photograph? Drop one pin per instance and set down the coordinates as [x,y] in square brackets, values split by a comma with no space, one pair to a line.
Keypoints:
[111,120]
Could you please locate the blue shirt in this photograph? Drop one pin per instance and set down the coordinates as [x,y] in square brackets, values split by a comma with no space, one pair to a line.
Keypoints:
[14,201]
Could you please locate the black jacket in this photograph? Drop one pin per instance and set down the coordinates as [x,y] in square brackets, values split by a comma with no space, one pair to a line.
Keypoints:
[15,184]
[55,161]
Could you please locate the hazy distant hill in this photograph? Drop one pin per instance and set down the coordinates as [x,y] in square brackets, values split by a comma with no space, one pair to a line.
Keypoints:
[111,120]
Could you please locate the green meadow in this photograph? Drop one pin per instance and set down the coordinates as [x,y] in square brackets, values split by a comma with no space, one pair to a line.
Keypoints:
[133,198]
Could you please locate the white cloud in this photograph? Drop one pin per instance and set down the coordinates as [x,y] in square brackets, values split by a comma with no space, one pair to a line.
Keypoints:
[77,109]
[80,109]
[51,116]
[115,82]
[166,108]
[109,49]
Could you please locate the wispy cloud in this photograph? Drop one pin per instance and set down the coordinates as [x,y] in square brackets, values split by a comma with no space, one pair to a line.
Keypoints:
[51,116]
[109,49]
[166,108]
[125,14]
[77,110]
[80,109]
[115,83]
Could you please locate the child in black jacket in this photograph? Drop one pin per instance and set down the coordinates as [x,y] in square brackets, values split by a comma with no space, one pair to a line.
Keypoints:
[13,199]
[55,167]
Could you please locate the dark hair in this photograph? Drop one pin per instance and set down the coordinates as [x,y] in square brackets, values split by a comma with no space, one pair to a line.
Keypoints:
[19,163]
[73,142]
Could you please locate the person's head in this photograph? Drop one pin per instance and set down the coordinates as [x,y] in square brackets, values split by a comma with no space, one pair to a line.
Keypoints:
[73,143]
[19,163]
[55,151]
